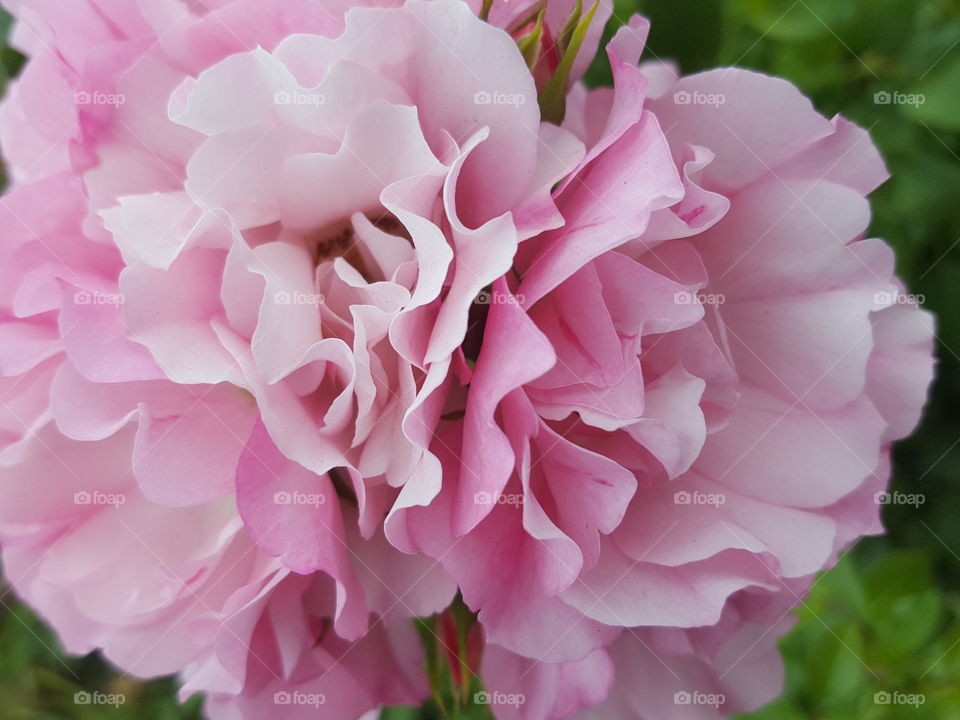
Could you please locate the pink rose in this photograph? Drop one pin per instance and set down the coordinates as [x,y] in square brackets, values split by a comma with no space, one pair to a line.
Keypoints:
[310,321]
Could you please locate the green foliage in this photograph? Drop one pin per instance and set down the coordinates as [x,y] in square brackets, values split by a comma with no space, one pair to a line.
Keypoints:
[869,631]
[38,681]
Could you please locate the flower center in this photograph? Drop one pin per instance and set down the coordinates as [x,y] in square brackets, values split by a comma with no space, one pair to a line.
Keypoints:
[343,241]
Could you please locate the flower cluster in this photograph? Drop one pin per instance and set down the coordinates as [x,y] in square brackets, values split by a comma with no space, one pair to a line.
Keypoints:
[319,317]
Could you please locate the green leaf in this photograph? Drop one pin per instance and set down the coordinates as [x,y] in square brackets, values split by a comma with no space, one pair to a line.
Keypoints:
[553,98]
[934,100]
[569,28]
[897,574]
[792,21]
[837,673]
[687,31]
[905,624]
[531,44]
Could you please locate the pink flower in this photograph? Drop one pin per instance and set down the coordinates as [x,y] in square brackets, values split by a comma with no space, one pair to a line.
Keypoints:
[309,321]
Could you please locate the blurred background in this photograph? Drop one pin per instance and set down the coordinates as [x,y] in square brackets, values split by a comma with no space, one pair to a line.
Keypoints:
[886,619]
